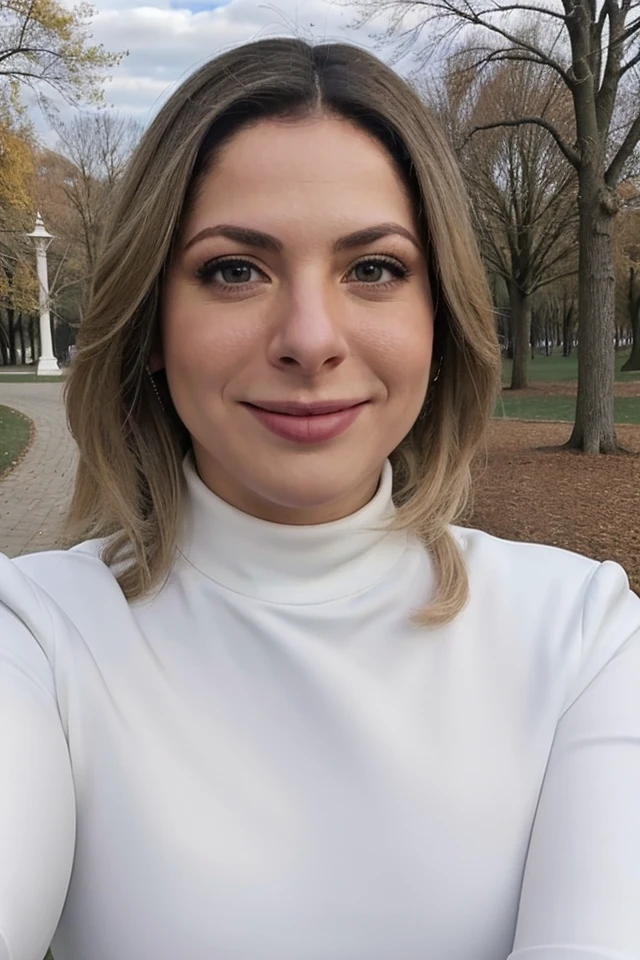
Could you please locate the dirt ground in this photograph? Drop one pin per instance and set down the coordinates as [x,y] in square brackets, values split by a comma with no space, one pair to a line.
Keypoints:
[587,504]
[569,388]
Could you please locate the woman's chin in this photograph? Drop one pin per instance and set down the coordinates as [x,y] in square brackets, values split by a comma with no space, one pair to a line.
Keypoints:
[313,498]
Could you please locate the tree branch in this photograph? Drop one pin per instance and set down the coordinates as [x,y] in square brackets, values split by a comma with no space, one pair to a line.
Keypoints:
[630,64]
[572,155]
[557,276]
[624,153]
[632,29]
[25,22]
[465,12]
[519,7]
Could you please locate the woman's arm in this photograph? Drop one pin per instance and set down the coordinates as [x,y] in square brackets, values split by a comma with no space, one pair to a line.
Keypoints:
[37,805]
[581,892]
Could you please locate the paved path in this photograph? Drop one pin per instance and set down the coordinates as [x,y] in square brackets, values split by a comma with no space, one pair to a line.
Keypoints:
[34,495]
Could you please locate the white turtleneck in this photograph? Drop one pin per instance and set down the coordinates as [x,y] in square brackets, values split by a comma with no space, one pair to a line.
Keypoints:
[268,761]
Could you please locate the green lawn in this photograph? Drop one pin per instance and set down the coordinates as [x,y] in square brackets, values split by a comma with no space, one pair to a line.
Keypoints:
[557,368]
[15,430]
[627,409]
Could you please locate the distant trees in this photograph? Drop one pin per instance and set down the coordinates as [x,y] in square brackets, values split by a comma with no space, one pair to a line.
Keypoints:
[593,49]
[628,279]
[523,193]
[96,146]
[72,188]
[46,47]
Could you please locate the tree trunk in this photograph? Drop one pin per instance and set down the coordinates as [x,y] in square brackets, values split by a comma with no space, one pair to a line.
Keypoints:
[521,327]
[32,338]
[4,358]
[509,328]
[23,359]
[633,363]
[567,328]
[594,430]
[11,336]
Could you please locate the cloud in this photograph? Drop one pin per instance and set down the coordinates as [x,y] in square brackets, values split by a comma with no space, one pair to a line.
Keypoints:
[196,6]
[169,39]
[166,42]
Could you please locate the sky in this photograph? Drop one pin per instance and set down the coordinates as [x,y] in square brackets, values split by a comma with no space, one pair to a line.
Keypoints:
[168,39]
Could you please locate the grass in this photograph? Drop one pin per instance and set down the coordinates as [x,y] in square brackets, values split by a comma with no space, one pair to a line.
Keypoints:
[15,432]
[556,368]
[626,409]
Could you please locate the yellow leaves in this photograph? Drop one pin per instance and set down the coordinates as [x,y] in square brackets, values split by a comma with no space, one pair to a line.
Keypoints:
[16,171]
[42,42]
[23,291]
[16,155]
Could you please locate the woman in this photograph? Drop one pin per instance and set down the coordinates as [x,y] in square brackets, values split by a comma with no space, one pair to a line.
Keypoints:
[274,706]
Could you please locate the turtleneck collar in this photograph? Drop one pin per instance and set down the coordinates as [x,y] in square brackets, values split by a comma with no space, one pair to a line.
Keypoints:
[283,563]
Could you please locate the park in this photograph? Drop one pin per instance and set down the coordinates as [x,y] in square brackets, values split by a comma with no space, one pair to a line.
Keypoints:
[539,102]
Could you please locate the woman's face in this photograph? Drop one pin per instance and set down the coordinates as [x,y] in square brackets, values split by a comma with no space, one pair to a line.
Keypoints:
[297,321]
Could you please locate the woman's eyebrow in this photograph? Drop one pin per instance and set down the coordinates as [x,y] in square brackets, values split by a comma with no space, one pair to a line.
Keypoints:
[265,241]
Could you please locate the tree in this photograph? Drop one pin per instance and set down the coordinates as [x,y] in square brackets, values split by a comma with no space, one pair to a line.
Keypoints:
[522,192]
[593,47]
[18,285]
[97,147]
[628,278]
[44,44]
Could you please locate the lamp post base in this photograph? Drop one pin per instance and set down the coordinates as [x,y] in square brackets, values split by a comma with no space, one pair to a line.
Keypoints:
[48,367]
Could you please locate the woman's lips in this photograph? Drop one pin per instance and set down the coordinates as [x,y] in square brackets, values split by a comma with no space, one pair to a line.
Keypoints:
[312,423]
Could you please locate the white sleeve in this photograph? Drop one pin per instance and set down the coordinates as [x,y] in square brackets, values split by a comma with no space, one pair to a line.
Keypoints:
[37,804]
[581,891]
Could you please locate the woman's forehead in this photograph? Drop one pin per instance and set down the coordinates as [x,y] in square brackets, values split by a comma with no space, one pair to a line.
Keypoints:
[337,178]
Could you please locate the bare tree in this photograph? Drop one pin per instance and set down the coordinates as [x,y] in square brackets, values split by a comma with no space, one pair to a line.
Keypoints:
[593,47]
[628,275]
[97,147]
[523,193]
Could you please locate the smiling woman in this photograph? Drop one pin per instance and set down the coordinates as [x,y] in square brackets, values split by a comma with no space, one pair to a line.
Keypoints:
[319,334]
[275,705]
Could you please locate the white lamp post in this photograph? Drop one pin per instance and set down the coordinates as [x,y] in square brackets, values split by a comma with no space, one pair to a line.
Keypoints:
[47,364]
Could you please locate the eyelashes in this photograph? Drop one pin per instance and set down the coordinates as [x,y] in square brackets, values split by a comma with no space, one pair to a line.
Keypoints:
[207,272]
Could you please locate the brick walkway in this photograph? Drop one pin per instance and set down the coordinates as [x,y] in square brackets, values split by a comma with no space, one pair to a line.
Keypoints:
[33,496]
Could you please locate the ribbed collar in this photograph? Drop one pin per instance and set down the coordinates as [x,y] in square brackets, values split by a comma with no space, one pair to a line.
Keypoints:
[282,563]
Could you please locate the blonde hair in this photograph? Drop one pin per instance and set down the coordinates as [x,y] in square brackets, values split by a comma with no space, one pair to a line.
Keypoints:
[129,482]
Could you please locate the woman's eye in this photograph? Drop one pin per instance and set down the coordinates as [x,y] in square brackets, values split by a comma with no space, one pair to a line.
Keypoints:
[373,271]
[229,273]
[237,273]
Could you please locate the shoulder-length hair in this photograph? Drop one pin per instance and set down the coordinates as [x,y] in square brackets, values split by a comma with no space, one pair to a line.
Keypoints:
[129,481]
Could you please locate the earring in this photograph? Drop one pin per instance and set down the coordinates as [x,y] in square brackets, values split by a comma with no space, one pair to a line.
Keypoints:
[154,386]
[438,371]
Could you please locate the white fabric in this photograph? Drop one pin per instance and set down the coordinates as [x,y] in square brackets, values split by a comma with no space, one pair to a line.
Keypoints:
[269,761]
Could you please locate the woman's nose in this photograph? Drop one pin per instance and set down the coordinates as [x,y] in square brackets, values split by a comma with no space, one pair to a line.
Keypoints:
[310,334]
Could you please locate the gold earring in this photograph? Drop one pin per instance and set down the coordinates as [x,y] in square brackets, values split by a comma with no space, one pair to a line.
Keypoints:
[154,386]
[438,371]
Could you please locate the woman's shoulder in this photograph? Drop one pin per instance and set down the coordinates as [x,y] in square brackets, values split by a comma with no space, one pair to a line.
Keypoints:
[560,598]
[539,563]
[532,574]
[38,587]
[67,571]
